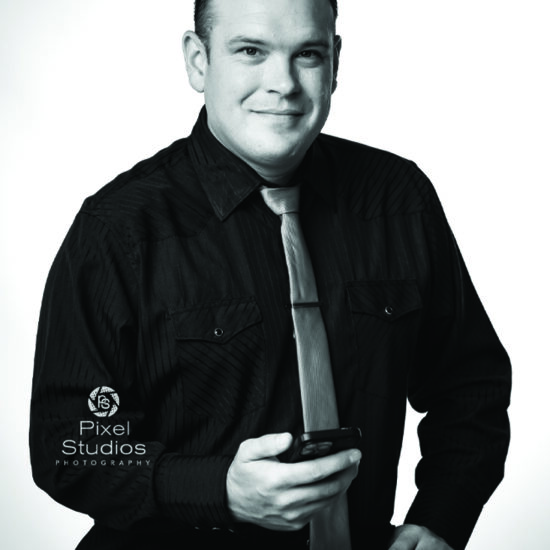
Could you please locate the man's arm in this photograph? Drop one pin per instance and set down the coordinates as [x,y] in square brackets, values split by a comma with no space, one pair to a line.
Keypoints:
[461,379]
[88,337]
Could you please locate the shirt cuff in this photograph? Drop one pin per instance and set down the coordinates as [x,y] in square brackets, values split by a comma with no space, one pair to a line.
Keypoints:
[449,511]
[192,490]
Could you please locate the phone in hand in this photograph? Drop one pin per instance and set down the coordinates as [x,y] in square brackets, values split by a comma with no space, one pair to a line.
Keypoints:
[310,445]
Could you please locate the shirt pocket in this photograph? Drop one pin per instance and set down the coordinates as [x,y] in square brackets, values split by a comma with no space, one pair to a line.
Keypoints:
[221,352]
[386,318]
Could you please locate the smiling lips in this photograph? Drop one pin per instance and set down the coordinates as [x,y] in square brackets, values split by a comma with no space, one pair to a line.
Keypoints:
[276,112]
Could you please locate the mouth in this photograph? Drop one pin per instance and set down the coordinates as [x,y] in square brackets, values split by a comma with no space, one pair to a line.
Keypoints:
[281,113]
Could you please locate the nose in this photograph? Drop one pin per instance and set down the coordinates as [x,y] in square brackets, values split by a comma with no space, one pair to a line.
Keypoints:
[281,76]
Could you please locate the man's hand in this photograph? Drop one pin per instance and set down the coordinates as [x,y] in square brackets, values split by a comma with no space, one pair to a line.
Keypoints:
[284,497]
[414,537]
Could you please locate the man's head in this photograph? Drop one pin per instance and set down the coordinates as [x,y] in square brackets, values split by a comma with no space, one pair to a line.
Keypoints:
[267,69]
[204,16]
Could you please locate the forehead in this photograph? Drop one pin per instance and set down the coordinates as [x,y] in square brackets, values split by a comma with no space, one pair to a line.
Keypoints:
[278,20]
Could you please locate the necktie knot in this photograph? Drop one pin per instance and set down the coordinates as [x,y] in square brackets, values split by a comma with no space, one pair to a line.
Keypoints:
[282,200]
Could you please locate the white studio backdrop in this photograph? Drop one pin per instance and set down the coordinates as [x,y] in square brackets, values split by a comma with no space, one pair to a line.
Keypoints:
[90,88]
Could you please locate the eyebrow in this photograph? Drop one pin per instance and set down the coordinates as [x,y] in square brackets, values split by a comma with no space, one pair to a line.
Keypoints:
[243,39]
[247,40]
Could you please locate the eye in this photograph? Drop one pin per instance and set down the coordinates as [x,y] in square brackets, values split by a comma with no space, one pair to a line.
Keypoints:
[310,58]
[250,51]
[309,54]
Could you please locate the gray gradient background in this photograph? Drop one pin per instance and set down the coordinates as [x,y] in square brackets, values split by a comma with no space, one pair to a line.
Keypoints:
[89,88]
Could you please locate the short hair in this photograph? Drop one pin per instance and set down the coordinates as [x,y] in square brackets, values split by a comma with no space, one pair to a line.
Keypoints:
[203,19]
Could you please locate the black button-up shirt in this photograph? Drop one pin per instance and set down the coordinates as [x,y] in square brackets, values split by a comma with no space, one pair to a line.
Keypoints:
[171,288]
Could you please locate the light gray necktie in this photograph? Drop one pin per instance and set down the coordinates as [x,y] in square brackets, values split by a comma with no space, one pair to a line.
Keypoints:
[329,530]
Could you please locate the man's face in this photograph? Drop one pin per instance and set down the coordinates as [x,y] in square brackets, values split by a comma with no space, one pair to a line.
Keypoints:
[269,79]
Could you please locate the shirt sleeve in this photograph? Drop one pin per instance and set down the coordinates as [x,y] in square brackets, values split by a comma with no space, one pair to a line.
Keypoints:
[462,380]
[88,338]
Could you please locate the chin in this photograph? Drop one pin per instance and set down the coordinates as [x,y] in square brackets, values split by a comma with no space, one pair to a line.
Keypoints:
[280,145]
[279,156]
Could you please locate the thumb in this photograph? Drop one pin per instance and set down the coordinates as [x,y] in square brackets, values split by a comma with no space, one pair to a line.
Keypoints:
[266,446]
[405,538]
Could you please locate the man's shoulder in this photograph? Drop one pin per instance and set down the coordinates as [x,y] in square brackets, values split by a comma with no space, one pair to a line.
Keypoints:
[375,178]
[154,199]
[143,182]
[348,153]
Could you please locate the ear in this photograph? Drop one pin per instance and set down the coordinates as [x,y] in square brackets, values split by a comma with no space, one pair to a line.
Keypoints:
[336,62]
[196,60]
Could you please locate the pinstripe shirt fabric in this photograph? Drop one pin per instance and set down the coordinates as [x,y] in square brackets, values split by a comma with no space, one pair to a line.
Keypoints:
[171,288]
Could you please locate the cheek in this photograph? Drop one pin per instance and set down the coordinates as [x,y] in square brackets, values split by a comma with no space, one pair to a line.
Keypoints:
[318,87]
[239,81]
[227,84]
[249,87]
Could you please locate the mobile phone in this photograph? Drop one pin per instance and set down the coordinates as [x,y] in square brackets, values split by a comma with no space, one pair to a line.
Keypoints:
[310,445]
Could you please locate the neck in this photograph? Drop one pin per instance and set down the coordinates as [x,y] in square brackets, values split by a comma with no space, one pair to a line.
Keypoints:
[278,177]
[279,180]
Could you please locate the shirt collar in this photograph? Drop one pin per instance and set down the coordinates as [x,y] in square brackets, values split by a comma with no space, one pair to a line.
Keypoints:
[228,181]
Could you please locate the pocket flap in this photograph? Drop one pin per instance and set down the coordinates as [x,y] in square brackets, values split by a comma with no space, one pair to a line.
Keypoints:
[388,300]
[217,322]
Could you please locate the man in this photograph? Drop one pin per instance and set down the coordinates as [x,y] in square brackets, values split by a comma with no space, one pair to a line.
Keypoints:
[167,380]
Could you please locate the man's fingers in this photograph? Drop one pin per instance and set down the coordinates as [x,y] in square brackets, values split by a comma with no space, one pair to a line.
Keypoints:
[403,545]
[404,538]
[314,471]
[263,447]
[412,537]
[322,492]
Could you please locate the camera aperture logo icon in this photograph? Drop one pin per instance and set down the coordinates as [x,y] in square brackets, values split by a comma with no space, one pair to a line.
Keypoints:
[104,402]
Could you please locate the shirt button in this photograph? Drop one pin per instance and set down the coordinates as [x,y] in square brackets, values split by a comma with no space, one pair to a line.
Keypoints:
[388,311]
[218,332]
